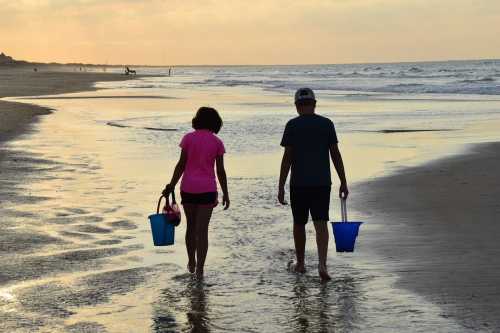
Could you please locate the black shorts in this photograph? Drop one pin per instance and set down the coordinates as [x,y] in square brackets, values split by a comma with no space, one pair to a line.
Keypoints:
[315,200]
[208,198]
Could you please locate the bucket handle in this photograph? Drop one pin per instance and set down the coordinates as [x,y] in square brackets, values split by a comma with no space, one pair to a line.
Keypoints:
[343,209]
[166,198]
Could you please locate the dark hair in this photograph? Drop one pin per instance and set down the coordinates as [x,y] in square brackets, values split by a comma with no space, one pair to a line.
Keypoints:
[207,118]
[305,102]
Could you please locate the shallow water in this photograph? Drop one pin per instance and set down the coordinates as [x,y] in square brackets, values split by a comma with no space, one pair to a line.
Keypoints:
[75,247]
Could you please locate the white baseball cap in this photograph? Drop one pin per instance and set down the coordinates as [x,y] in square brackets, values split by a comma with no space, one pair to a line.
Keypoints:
[303,94]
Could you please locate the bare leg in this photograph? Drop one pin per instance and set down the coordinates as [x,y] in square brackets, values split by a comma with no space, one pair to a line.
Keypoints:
[190,210]
[299,237]
[203,216]
[322,236]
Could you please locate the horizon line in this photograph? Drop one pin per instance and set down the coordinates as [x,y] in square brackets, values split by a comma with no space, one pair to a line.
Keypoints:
[262,65]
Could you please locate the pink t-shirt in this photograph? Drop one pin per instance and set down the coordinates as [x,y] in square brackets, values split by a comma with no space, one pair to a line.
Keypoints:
[202,148]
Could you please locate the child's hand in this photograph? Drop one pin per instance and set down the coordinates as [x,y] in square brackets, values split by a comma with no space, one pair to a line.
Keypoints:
[343,191]
[226,202]
[168,189]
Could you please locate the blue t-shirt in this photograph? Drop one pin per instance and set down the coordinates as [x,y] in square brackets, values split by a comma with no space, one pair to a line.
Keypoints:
[310,137]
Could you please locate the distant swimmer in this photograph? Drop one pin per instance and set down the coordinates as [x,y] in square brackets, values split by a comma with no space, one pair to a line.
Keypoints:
[170,71]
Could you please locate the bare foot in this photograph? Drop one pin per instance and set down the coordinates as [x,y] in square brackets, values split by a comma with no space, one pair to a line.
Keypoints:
[296,267]
[199,274]
[191,267]
[323,274]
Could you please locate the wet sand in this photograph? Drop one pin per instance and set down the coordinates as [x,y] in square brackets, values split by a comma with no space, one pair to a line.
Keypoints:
[29,253]
[437,225]
[14,82]
[14,117]
[77,256]
[77,253]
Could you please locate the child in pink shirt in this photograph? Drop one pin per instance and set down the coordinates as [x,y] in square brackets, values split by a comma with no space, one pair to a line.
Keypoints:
[201,151]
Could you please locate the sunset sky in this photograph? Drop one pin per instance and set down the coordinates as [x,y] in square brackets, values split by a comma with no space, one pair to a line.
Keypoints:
[170,32]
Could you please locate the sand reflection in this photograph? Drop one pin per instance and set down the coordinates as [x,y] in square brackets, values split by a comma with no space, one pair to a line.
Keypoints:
[182,310]
[197,316]
[324,308]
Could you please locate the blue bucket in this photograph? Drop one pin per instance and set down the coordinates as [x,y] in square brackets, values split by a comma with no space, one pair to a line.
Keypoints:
[163,232]
[345,233]
[162,229]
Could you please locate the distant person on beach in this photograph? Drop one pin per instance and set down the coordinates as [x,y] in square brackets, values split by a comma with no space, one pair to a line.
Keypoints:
[201,151]
[129,71]
[309,141]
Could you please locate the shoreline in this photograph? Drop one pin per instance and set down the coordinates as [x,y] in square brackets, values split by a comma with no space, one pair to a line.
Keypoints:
[436,224]
[16,117]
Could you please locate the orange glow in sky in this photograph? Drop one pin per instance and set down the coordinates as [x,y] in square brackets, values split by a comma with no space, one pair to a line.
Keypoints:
[170,32]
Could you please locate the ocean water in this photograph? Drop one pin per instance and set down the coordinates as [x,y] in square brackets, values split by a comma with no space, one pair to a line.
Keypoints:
[75,244]
[453,77]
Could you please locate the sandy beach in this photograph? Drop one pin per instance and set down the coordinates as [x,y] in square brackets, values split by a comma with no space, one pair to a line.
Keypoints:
[77,190]
[14,117]
[15,82]
[100,102]
[97,99]
[439,229]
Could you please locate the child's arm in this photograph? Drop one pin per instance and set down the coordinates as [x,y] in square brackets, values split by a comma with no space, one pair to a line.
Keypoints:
[221,174]
[286,163]
[178,171]
[339,166]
